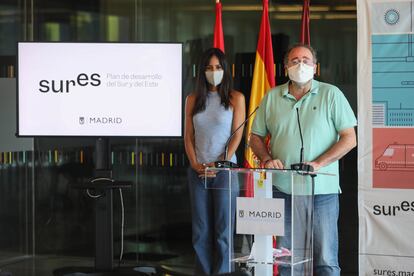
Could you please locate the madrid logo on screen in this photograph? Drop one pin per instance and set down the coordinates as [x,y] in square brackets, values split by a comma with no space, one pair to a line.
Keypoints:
[100,120]
[63,86]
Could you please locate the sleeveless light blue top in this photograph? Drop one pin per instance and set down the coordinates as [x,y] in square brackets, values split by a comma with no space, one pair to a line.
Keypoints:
[212,128]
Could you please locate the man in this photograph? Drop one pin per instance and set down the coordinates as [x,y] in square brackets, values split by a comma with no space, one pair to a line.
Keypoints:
[327,123]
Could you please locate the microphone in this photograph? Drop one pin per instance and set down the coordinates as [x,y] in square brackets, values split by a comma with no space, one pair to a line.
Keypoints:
[301,166]
[225,163]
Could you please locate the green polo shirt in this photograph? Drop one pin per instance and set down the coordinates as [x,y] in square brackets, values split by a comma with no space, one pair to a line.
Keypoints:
[324,112]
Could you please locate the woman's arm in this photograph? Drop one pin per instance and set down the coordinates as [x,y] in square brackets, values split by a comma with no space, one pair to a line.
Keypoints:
[189,140]
[239,115]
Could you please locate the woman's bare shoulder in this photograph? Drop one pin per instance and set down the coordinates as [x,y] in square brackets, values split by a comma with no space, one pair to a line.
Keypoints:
[237,96]
[191,97]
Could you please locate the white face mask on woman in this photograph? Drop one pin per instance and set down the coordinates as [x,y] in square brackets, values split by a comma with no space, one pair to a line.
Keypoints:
[214,77]
[301,73]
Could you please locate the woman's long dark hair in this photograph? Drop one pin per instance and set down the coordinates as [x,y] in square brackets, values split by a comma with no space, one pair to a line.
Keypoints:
[201,87]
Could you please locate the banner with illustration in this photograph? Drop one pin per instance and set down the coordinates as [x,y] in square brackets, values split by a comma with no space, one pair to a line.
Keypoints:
[386,137]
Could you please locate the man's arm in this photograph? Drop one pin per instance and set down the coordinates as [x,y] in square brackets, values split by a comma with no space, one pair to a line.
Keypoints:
[259,148]
[346,142]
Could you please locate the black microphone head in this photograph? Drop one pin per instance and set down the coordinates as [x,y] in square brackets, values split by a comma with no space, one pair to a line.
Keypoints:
[302,167]
[225,164]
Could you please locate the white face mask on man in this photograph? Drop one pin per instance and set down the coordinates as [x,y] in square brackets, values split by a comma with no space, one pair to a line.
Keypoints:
[214,77]
[301,73]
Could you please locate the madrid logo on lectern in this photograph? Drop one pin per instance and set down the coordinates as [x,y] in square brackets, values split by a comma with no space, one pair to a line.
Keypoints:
[263,216]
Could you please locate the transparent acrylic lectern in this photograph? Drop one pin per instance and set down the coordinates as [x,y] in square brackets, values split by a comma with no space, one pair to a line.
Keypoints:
[271,217]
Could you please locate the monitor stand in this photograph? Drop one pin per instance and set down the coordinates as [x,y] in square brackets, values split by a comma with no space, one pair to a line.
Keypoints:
[102,186]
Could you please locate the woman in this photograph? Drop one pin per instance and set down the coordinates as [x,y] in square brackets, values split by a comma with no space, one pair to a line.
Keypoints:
[212,112]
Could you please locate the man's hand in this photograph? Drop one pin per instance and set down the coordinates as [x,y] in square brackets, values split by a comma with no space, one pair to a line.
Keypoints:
[315,165]
[273,164]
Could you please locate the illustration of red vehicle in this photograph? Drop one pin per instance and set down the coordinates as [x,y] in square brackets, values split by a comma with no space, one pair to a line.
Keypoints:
[396,156]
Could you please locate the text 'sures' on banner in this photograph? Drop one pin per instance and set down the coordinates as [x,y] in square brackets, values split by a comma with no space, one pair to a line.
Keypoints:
[99,89]
[386,135]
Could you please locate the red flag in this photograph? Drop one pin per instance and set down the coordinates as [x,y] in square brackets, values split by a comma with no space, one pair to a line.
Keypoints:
[218,29]
[263,80]
[305,32]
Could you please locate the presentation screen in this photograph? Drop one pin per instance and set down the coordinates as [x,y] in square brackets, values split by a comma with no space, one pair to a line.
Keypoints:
[99,89]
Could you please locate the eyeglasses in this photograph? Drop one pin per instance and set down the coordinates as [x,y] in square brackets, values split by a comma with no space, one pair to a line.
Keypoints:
[306,61]
[214,67]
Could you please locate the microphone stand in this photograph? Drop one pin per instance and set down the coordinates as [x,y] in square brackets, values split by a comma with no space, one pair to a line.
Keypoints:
[301,166]
[306,169]
[226,163]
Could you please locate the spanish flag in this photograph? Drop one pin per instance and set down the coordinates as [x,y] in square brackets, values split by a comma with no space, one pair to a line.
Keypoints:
[263,80]
[218,29]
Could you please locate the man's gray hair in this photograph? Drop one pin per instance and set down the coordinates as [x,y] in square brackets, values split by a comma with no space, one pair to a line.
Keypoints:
[300,45]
